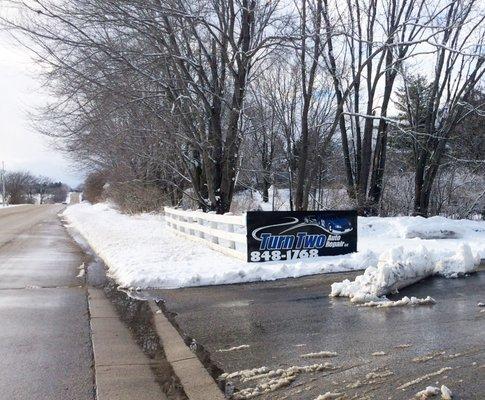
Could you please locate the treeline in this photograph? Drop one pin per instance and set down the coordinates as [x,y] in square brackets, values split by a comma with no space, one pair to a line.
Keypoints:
[22,187]
[178,100]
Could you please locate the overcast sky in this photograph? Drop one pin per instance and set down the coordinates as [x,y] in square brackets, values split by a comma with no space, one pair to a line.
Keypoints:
[20,93]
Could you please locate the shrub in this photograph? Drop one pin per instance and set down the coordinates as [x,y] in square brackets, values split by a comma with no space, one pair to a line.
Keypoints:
[94,186]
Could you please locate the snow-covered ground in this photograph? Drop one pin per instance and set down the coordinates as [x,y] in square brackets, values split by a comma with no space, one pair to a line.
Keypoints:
[141,251]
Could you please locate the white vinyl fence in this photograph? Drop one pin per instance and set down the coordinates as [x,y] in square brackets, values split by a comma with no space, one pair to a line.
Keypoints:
[225,233]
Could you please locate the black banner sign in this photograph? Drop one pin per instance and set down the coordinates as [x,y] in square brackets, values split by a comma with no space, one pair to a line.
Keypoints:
[291,235]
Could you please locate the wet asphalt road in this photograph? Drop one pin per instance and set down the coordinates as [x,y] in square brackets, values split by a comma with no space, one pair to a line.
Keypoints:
[45,347]
[283,320]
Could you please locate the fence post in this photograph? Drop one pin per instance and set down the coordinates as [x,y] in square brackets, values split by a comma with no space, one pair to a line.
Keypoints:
[213,225]
[180,227]
[188,219]
[201,222]
[230,228]
[167,214]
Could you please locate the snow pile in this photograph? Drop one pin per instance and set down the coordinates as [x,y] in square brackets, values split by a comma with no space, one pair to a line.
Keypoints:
[430,391]
[405,301]
[435,233]
[141,252]
[461,263]
[398,268]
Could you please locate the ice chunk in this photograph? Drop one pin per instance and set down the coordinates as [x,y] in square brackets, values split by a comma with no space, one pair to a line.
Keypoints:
[446,393]
[430,391]
[329,396]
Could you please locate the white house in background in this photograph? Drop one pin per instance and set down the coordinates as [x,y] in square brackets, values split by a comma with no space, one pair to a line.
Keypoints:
[74,198]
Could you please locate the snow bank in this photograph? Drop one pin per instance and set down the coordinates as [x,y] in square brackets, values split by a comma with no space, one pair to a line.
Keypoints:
[398,268]
[141,251]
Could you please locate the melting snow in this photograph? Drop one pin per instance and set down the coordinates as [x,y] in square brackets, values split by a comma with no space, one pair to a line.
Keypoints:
[243,346]
[319,354]
[398,268]
[271,380]
[140,251]
[405,301]
[423,378]
[430,391]
[446,393]
[428,357]
[329,396]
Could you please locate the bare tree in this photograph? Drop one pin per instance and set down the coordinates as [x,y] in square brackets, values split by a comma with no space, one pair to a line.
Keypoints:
[19,187]
[197,59]
[459,65]
[309,54]
[364,68]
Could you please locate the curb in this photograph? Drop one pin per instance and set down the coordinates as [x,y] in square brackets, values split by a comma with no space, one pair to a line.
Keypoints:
[196,381]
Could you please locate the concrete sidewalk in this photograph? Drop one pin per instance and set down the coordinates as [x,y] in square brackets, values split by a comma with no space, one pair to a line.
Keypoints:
[122,370]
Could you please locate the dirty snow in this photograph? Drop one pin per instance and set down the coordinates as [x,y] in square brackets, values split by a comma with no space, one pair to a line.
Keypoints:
[405,301]
[423,378]
[243,346]
[446,393]
[141,252]
[371,378]
[403,346]
[329,396]
[430,391]
[320,354]
[428,357]
[400,267]
[270,380]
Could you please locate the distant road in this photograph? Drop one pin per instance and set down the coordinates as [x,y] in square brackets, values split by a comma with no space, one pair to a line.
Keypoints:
[45,344]
[16,220]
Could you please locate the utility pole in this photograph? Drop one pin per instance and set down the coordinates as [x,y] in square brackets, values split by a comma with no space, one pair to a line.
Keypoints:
[3,183]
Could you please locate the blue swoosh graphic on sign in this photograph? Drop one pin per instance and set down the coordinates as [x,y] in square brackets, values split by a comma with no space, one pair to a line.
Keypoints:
[255,232]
